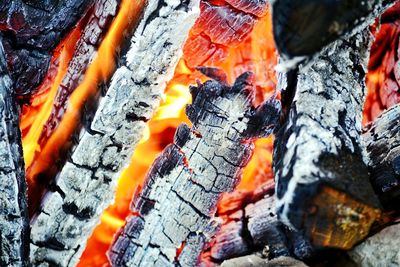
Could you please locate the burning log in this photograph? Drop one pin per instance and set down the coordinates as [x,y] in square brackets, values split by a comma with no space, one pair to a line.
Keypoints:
[303,27]
[322,182]
[176,207]
[383,146]
[32,31]
[85,186]
[14,233]
[254,227]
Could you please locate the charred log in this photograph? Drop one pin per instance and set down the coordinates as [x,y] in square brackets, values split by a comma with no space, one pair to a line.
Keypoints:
[254,227]
[32,31]
[383,147]
[179,198]
[219,27]
[86,48]
[303,27]
[14,225]
[86,184]
[322,181]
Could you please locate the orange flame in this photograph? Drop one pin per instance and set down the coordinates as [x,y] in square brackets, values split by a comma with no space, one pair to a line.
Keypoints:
[258,55]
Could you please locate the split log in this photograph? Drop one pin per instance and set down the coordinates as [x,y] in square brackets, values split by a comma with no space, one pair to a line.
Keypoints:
[32,31]
[322,182]
[86,184]
[14,225]
[179,198]
[382,142]
[303,27]
[381,249]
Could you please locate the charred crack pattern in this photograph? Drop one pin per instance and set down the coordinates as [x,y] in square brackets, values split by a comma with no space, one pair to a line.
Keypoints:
[185,182]
[88,180]
[322,131]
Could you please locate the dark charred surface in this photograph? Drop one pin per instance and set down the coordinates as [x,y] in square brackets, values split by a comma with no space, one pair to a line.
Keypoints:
[318,163]
[14,225]
[188,178]
[32,30]
[304,27]
[383,147]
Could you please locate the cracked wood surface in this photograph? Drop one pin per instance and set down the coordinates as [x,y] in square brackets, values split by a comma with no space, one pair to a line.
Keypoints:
[382,142]
[322,182]
[86,184]
[298,22]
[178,201]
[253,227]
[14,232]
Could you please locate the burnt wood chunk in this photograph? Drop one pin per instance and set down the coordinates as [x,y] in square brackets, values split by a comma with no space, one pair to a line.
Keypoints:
[85,187]
[32,29]
[382,142]
[322,181]
[14,224]
[303,27]
[177,204]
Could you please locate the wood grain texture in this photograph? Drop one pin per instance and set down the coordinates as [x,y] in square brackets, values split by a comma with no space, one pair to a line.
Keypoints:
[382,142]
[86,184]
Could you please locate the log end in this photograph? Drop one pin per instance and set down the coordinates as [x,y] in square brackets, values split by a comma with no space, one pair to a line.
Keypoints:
[337,220]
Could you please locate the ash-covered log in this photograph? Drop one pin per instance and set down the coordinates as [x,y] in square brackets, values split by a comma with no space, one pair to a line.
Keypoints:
[303,27]
[86,184]
[176,207]
[253,227]
[322,182]
[382,142]
[32,29]
[14,224]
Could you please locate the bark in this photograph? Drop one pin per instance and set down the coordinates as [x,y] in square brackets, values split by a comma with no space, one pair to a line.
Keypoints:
[382,142]
[177,204]
[14,235]
[322,182]
[86,184]
[297,23]
[32,30]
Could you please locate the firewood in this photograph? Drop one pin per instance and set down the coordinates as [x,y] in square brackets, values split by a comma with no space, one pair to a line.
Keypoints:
[254,226]
[91,37]
[33,30]
[322,181]
[381,249]
[303,27]
[179,198]
[14,224]
[382,142]
[86,184]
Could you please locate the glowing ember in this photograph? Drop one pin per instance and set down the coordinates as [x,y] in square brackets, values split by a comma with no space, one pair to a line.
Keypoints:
[39,157]
[256,54]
